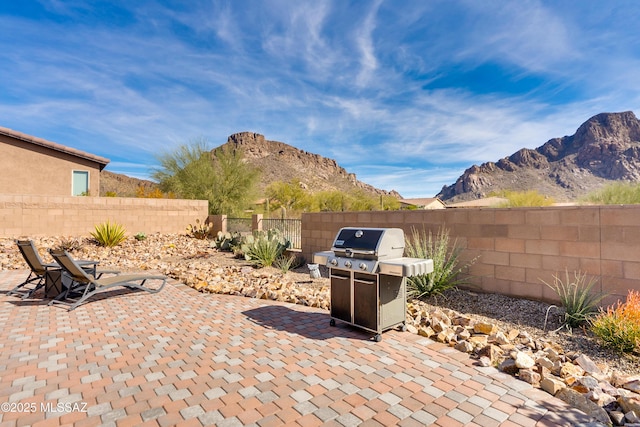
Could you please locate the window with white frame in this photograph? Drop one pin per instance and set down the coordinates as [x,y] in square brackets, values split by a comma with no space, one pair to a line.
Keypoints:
[80,183]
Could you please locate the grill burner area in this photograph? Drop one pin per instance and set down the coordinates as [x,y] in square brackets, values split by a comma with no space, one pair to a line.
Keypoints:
[368,277]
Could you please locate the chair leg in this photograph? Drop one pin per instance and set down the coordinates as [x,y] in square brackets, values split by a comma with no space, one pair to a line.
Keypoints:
[38,286]
[86,293]
[132,285]
[21,290]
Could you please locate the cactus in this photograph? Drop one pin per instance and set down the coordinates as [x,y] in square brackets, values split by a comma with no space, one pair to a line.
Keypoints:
[199,231]
[227,241]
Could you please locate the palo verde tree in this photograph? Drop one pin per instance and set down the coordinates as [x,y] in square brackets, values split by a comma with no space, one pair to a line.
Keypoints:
[288,195]
[221,177]
[235,182]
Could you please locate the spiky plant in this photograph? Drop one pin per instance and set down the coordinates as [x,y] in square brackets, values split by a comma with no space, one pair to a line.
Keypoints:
[576,296]
[109,234]
[264,248]
[446,257]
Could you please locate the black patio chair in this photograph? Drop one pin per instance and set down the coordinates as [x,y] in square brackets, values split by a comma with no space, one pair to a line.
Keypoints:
[39,270]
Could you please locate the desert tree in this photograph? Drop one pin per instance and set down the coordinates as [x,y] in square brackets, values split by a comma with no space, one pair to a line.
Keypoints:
[192,171]
[235,181]
[288,195]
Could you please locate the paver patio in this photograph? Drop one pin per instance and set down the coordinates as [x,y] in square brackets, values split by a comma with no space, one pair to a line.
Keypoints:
[181,358]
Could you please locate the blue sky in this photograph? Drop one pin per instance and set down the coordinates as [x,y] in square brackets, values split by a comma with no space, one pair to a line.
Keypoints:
[406,94]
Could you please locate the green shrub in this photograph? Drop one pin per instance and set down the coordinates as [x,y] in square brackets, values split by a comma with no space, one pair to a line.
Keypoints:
[617,193]
[140,236]
[619,326]
[577,298]
[199,231]
[264,248]
[445,255]
[529,198]
[109,234]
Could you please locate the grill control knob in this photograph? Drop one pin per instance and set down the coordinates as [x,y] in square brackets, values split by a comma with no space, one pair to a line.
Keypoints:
[334,262]
[363,266]
[347,264]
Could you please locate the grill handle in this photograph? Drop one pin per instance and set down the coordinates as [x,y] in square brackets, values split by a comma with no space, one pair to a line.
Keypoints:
[350,253]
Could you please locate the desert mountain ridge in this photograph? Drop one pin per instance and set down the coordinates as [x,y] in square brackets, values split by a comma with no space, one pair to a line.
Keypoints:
[604,149]
[276,161]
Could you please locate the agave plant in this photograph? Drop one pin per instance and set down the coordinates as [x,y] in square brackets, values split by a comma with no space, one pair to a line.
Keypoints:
[109,234]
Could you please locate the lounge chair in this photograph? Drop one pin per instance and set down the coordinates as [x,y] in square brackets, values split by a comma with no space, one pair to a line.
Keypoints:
[85,285]
[47,275]
[39,270]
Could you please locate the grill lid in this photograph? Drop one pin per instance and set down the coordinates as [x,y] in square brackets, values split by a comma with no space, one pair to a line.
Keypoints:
[369,243]
[358,239]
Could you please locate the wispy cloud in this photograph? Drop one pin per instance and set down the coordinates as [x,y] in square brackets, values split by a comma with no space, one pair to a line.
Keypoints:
[365,43]
[406,97]
[527,34]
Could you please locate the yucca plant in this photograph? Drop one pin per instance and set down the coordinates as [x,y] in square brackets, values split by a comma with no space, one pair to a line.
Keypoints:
[576,297]
[264,248]
[445,255]
[109,234]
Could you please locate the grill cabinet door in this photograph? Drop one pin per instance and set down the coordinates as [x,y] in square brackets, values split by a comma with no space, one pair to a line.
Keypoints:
[341,295]
[365,301]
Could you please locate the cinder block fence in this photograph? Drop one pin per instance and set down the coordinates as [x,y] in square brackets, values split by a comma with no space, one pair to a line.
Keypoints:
[78,216]
[515,249]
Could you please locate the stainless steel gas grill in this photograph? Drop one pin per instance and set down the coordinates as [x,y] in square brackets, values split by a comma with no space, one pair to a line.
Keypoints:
[368,277]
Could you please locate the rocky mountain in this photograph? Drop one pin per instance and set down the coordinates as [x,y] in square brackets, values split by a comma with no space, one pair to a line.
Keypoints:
[605,148]
[277,161]
[282,162]
[122,185]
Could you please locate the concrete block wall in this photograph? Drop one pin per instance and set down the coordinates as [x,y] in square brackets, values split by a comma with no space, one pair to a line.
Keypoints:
[24,216]
[516,249]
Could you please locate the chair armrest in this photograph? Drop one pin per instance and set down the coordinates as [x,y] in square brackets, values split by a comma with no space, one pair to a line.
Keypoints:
[83,262]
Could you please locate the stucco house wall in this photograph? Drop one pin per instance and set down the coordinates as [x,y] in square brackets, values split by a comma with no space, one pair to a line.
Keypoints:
[35,166]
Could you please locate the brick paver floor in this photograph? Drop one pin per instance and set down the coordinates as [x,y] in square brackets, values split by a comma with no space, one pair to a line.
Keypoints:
[181,358]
